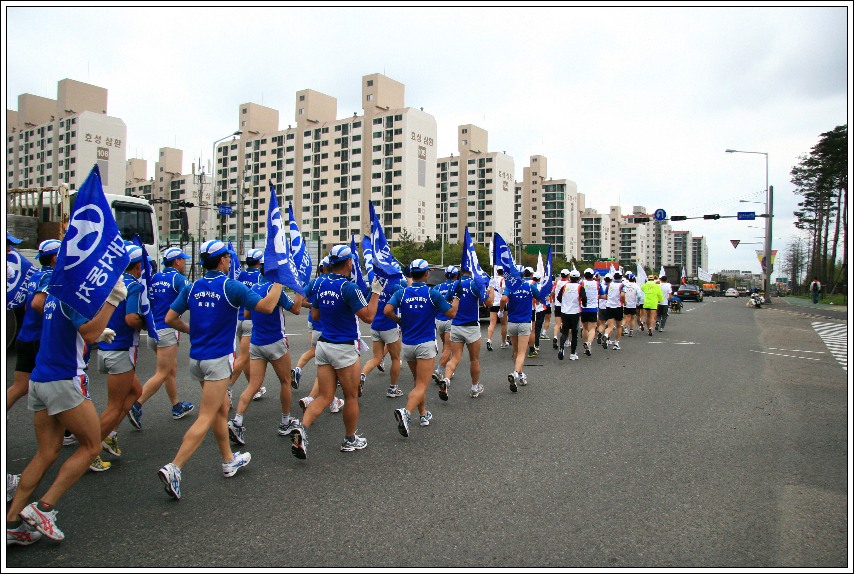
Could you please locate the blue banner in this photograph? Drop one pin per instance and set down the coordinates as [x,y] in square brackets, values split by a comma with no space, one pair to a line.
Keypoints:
[19,271]
[234,268]
[368,256]
[546,282]
[356,275]
[92,256]
[385,265]
[144,301]
[299,251]
[278,265]
[470,263]
[502,256]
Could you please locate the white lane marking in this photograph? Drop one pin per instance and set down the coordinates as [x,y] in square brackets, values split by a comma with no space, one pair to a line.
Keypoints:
[835,337]
[795,350]
[782,355]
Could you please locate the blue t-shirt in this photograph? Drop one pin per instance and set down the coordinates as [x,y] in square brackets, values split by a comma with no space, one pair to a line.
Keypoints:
[249,278]
[467,310]
[269,328]
[126,336]
[164,288]
[520,297]
[338,300]
[213,302]
[417,323]
[63,352]
[381,322]
[310,295]
[446,290]
[31,326]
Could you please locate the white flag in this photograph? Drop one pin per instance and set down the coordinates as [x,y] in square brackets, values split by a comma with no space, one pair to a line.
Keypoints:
[661,273]
[641,274]
[540,266]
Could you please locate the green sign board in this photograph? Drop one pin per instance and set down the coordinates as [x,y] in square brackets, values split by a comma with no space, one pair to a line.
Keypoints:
[534,248]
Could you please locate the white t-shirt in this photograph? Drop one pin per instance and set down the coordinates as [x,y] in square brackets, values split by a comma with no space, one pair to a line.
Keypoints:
[667,289]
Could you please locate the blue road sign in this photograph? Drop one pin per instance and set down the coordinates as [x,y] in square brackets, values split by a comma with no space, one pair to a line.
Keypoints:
[660,215]
[746,215]
[225,210]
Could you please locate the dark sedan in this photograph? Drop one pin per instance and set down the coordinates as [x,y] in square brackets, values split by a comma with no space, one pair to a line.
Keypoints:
[690,292]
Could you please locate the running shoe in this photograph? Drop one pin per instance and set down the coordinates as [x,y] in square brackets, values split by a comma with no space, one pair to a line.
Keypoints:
[336,405]
[523,379]
[544,335]
[649,332]
[631,332]
[512,377]
[642,326]
[182,409]
[304,402]
[616,345]
[22,535]
[560,354]
[605,343]
[598,338]
[44,522]
[404,419]
[99,465]
[11,485]
[505,345]
[425,419]
[358,443]
[69,439]
[444,385]
[394,391]
[363,378]
[533,352]
[656,325]
[135,416]
[587,348]
[573,357]
[477,391]
[296,374]
[236,433]
[381,366]
[111,445]
[261,392]
[290,428]
[554,343]
[239,460]
[488,345]
[437,376]
[300,441]
[170,475]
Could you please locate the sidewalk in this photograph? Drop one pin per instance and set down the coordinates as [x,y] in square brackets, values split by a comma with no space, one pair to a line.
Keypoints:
[798,302]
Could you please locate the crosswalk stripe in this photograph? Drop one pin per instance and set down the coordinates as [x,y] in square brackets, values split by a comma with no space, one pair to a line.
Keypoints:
[835,338]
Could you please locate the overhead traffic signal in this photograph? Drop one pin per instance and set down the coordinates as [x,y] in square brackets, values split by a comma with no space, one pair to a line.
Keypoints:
[712,216]
[678,217]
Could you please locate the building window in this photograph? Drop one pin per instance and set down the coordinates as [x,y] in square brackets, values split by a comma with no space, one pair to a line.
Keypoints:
[370,97]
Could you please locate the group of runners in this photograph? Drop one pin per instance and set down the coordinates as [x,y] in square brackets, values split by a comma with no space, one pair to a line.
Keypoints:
[237,326]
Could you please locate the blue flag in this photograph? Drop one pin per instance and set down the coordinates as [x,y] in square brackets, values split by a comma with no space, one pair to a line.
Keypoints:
[368,256]
[234,268]
[299,251]
[144,301]
[92,256]
[546,282]
[385,265]
[278,265]
[470,263]
[18,282]
[356,274]
[502,256]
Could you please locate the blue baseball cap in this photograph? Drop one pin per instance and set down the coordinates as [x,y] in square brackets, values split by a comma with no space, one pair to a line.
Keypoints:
[452,270]
[213,248]
[419,265]
[12,239]
[49,247]
[325,261]
[174,253]
[134,252]
[254,255]
[339,253]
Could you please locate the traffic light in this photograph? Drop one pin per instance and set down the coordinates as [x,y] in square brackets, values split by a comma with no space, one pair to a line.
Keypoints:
[678,217]
[712,216]
[641,220]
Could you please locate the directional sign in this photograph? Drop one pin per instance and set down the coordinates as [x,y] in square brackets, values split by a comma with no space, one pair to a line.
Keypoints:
[735,242]
[660,215]
[225,210]
[746,215]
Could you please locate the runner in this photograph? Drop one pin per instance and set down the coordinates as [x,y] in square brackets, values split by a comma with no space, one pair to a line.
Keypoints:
[213,302]
[517,300]
[419,338]
[268,344]
[632,299]
[589,310]
[165,287]
[495,313]
[443,321]
[248,277]
[337,303]
[652,298]
[59,397]
[556,287]
[572,298]
[664,307]
[615,298]
[385,337]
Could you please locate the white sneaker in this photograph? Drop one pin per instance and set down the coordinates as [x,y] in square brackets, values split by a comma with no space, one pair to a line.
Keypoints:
[69,440]
[336,405]
[240,459]
[261,392]
[616,345]
[304,402]
[573,357]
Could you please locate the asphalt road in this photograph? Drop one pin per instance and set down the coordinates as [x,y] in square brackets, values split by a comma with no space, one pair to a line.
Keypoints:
[696,447]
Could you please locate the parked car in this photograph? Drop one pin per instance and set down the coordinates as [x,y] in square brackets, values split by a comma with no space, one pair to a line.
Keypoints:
[731,292]
[690,292]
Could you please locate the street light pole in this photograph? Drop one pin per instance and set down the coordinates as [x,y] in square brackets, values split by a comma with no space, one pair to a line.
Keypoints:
[214,170]
[769,216]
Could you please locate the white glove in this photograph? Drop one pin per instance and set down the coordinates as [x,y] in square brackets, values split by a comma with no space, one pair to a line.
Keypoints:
[500,313]
[107,336]
[118,294]
[377,285]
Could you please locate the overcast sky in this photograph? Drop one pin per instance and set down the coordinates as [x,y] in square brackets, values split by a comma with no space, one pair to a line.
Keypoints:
[634,104]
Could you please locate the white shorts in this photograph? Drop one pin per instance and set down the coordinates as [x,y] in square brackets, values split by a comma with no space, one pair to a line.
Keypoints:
[118,361]
[337,355]
[518,329]
[167,337]
[270,352]
[387,336]
[212,369]
[426,350]
[465,334]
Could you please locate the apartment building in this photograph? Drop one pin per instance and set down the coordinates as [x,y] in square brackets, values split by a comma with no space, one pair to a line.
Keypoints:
[51,142]
[330,168]
[683,250]
[595,241]
[474,190]
[699,255]
[630,239]
[546,211]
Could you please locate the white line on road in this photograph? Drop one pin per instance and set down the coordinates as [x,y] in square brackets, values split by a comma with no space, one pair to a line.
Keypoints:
[782,355]
[795,350]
